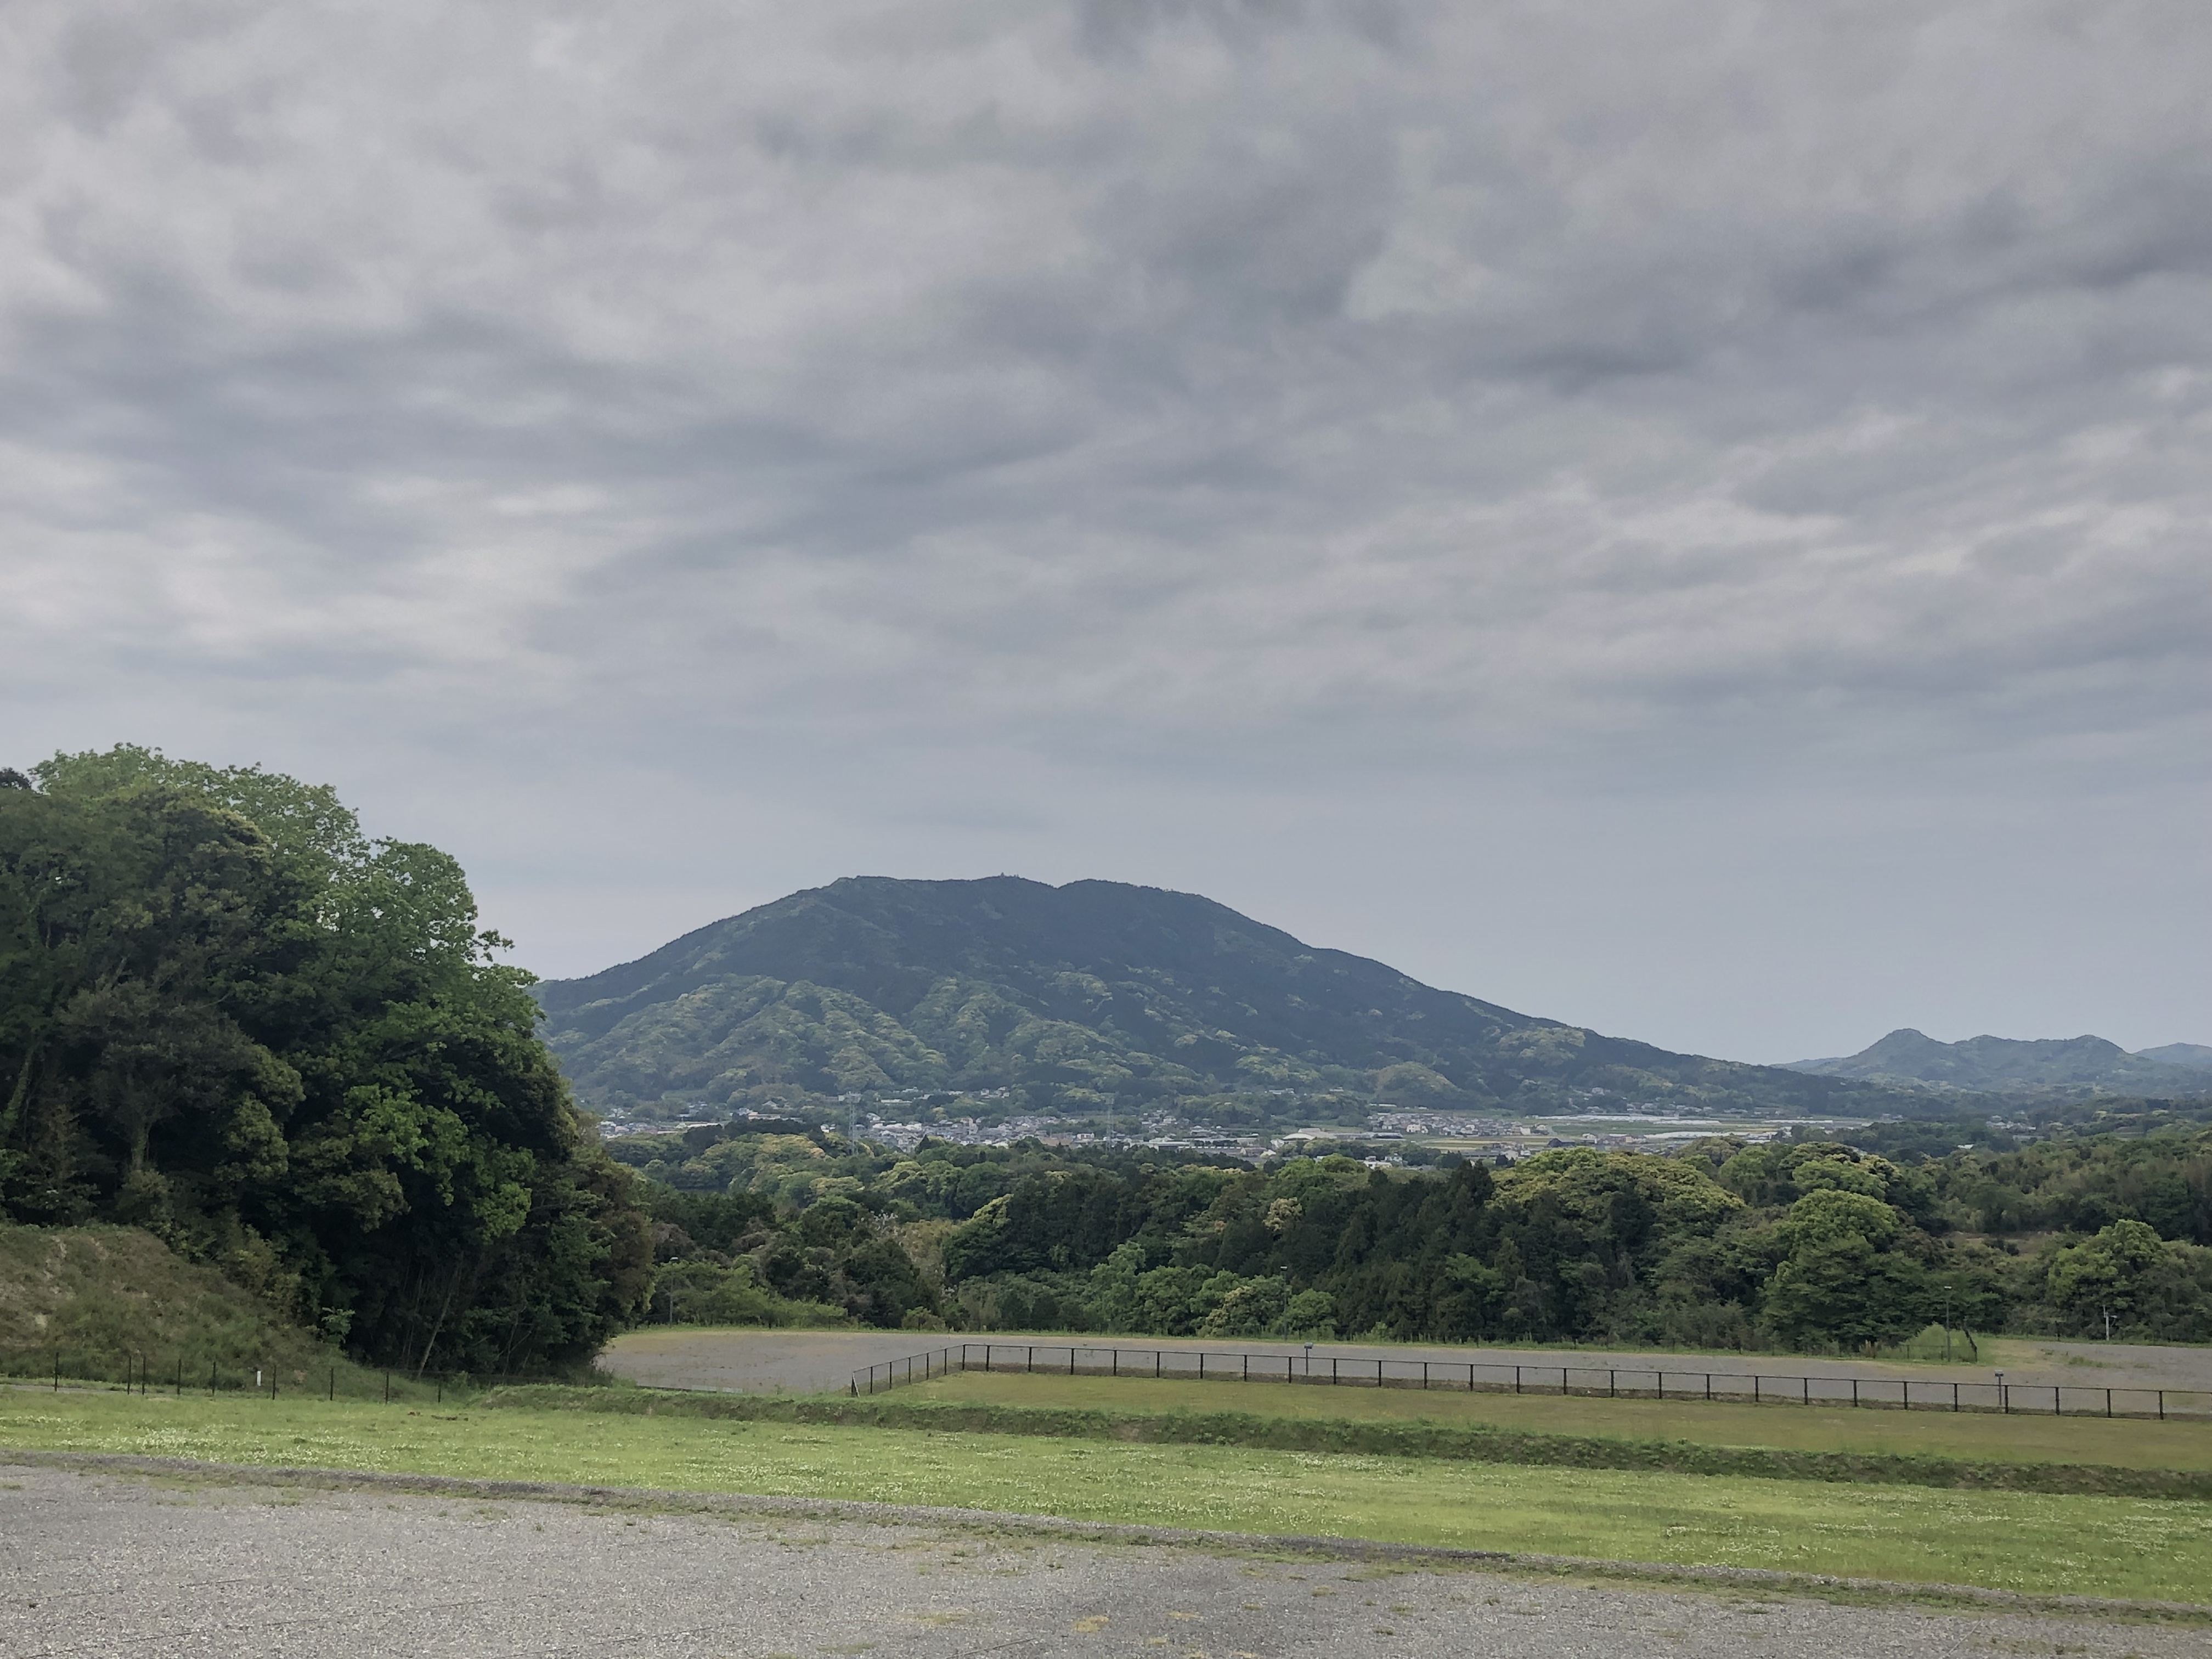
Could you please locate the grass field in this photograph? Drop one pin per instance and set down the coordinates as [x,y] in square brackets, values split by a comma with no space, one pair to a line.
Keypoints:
[2092,1545]
[2118,1444]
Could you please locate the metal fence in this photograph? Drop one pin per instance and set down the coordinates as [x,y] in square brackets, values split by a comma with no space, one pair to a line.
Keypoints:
[143,1370]
[1492,1377]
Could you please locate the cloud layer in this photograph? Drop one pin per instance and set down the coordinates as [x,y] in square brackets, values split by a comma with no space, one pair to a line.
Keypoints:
[1095,428]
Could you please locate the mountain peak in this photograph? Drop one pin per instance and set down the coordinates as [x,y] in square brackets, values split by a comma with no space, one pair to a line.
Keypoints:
[1087,993]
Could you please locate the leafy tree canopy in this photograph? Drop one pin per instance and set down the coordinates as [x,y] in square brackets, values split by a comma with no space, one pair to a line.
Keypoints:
[1813,1244]
[229,1016]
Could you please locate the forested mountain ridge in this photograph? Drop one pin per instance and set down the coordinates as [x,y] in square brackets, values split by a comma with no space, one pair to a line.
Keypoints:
[1093,991]
[1992,1064]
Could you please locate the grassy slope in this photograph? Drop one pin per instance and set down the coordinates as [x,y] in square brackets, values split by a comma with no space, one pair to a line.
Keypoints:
[2037,1543]
[1979,1437]
[112,1298]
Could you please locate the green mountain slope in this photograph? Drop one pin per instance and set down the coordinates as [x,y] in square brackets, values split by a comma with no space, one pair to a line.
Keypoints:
[1073,994]
[2012,1065]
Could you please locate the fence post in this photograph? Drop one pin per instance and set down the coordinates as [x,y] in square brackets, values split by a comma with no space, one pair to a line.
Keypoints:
[1248,1368]
[1071,1359]
[1708,1385]
[1332,1370]
[1611,1383]
[2161,1404]
[1156,1364]
[1517,1379]
[1806,1382]
[1117,1362]
[1470,1376]
[1378,1373]
[1754,1388]
[334,1383]
[210,1379]
[1030,1365]
[387,1387]
[1855,1390]
[1954,1396]
[1201,1364]
[2108,1402]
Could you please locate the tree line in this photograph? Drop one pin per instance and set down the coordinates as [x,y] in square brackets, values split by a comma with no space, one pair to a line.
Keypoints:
[1804,1243]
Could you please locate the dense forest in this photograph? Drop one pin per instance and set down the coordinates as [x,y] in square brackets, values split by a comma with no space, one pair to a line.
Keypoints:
[1812,1244]
[228,1017]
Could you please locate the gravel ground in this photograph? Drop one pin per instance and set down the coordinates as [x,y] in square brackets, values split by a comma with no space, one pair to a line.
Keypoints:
[115,1565]
[808,1362]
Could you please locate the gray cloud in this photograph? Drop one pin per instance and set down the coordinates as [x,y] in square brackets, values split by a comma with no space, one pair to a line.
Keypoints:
[928,436]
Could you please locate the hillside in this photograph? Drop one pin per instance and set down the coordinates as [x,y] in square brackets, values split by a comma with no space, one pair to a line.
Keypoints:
[2007,1064]
[104,1300]
[1077,996]
[2195,1054]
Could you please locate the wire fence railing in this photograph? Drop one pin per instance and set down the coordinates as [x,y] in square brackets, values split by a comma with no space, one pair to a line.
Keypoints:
[1497,1376]
[155,1369]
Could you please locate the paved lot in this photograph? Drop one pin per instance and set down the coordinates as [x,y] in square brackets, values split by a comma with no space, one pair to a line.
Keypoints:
[806,1362]
[107,1564]
[756,1362]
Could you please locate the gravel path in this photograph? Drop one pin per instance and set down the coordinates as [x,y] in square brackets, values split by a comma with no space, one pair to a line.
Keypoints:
[119,1564]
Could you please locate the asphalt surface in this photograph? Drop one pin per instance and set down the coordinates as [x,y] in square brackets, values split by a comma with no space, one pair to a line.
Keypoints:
[111,1565]
[810,1362]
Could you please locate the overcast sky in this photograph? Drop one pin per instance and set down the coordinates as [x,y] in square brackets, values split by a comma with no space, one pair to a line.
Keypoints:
[1686,517]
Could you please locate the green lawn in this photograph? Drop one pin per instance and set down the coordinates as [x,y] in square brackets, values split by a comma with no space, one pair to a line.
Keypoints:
[2120,1443]
[2042,1544]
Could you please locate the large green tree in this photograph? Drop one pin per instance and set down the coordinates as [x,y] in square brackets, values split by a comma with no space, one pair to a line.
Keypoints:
[228,1015]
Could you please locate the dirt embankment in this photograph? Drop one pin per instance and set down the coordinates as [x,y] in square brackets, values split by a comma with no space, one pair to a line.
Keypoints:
[108,1302]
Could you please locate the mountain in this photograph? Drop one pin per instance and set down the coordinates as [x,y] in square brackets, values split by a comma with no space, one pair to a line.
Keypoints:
[2008,1065]
[2197,1054]
[1076,996]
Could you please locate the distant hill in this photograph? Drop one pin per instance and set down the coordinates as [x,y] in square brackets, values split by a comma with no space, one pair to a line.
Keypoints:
[2005,1064]
[1075,994]
[2196,1054]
